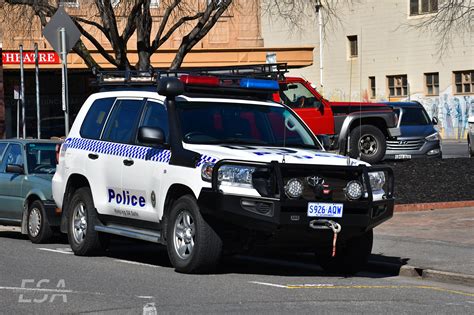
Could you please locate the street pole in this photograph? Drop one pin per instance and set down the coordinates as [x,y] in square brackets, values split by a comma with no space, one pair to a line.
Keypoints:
[320,22]
[18,118]
[22,93]
[65,105]
[38,117]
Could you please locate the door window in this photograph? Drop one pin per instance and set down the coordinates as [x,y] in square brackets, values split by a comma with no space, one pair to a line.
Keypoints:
[298,96]
[13,155]
[156,116]
[3,146]
[123,121]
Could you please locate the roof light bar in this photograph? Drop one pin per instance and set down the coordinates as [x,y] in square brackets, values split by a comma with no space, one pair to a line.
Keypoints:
[259,84]
[199,80]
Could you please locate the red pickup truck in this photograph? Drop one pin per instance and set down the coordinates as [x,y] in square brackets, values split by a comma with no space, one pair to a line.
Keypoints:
[356,129]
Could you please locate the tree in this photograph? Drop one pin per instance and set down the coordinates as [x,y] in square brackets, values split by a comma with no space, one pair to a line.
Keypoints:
[452,18]
[194,17]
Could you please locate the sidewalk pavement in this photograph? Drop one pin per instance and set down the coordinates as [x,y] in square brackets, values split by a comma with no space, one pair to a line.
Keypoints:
[441,240]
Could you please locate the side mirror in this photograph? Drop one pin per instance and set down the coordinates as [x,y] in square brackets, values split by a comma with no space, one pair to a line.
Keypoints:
[435,120]
[325,141]
[15,169]
[151,136]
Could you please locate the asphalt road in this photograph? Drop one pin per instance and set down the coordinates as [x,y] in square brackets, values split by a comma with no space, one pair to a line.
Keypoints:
[454,148]
[134,277]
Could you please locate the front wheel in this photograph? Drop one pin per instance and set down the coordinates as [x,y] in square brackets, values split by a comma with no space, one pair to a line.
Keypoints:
[368,142]
[350,258]
[83,238]
[193,246]
[38,230]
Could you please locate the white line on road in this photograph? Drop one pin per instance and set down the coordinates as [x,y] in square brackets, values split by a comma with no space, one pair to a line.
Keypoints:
[58,250]
[36,289]
[135,263]
[270,284]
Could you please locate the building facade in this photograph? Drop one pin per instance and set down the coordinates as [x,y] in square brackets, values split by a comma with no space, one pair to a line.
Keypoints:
[375,54]
[235,40]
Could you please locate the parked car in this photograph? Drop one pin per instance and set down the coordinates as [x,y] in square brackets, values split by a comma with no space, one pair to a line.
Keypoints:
[470,136]
[208,165]
[419,136]
[26,170]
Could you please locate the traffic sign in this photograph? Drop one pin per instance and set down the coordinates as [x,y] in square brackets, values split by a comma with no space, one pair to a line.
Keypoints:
[58,21]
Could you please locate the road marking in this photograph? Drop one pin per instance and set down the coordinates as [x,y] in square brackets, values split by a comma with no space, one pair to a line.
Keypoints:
[329,286]
[36,289]
[270,284]
[135,263]
[66,251]
[145,297]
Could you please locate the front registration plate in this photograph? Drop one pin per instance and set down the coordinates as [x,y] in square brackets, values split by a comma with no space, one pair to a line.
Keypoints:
[324,209]
[402,156]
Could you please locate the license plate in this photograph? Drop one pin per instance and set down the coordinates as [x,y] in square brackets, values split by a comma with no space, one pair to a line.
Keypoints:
[402,156]
[324,209]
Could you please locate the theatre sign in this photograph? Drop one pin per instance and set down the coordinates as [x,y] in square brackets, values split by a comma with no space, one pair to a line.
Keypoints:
[44,57]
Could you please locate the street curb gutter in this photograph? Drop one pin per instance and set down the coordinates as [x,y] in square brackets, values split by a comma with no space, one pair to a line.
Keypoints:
[433,205]
[425,274]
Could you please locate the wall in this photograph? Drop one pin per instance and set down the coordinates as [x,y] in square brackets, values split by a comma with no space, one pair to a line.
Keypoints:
[387,46]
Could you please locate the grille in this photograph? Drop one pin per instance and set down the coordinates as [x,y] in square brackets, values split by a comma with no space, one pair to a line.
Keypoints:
[412,145]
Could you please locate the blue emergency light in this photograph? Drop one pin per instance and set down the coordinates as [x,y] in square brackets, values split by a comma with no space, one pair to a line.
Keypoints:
[259,84]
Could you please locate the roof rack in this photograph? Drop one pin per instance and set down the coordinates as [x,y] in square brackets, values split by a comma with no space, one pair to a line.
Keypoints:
[129,78]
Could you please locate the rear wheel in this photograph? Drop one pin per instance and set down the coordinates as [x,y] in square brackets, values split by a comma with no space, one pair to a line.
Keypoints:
[368,142]
[350,257]
[83,238]
[38,229]
[193,246]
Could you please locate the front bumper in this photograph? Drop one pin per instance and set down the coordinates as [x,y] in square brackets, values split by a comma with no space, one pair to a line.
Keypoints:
[279,214]
[409,151]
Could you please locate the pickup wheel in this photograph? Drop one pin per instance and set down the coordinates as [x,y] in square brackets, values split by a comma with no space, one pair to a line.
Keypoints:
[369,142]
[350,258]
[38,227]
[83,238]
[193,246]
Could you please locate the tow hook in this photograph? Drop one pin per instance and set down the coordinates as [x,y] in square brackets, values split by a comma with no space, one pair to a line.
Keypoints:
[322,224]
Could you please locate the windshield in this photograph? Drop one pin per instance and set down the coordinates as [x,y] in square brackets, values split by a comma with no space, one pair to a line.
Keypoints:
[212,123]
[41,158]
[415,117]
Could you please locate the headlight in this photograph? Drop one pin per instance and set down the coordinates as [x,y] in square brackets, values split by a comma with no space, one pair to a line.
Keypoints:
[377,180]
[206,171]
[433,137]
[236,175]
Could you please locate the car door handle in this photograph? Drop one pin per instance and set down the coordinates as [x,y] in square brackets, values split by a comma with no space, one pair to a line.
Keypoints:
[128,162]
[93,156]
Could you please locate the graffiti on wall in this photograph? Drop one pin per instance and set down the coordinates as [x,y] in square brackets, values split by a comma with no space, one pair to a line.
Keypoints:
[451,110]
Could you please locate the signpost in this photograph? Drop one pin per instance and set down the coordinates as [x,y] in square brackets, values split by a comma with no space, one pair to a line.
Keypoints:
[62,34]
[22,93]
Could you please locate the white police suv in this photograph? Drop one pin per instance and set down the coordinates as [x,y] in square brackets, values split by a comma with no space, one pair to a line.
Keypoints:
[208,165]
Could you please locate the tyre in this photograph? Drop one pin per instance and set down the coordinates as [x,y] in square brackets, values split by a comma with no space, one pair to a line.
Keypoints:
[193,246]
[83,238]
[350,257]
[38,228]
[368,142]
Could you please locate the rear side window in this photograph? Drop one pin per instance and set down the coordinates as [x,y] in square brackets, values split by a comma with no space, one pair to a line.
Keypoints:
[123,121]
[95,118]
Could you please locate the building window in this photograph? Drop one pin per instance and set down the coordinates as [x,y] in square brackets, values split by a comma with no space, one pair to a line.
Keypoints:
[154,3]
[464,81]
[372,87]
[352,46]
[397,85]
[69,3]
[432,83]
[418,7]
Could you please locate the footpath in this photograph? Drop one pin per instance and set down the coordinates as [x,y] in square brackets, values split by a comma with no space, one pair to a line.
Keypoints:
[432,244]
